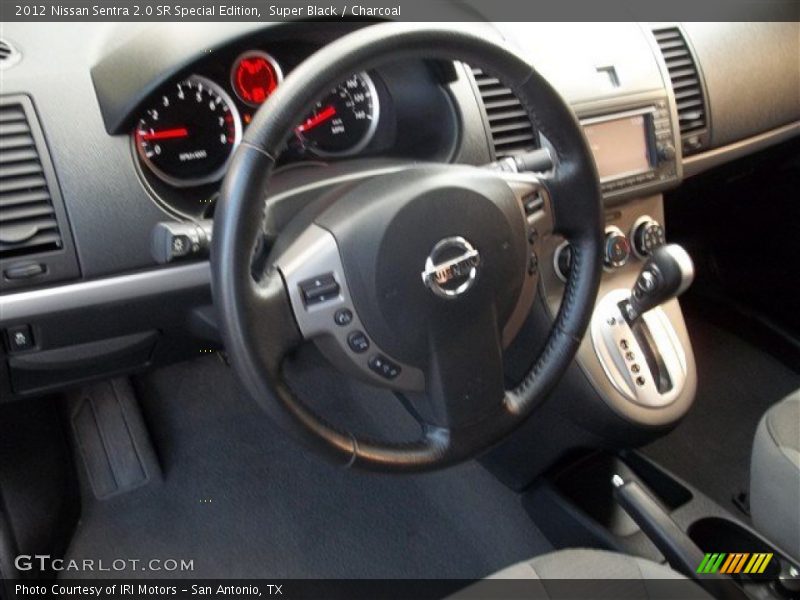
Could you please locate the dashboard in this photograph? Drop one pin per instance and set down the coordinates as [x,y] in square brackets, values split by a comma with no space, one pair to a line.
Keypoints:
[131,127]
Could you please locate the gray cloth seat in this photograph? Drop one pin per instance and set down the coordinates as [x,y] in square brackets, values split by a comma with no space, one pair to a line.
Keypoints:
[588,573]
[775,475]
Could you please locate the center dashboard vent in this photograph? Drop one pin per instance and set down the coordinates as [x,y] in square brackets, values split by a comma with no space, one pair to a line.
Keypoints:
[687,85]
[28,221]
[509,124]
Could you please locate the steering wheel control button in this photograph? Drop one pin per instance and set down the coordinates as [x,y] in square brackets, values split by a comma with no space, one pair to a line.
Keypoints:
[321,288]
[384,367]
[533,203]
[451,267]
[616,249]
[358,342]
[343,317]
[533,264]
[19,338]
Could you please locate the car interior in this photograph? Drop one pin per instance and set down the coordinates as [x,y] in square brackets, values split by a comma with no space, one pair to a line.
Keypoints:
[353,300]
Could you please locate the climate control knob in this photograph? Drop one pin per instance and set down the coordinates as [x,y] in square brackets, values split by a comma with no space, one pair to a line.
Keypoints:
[616,249]
[647,235]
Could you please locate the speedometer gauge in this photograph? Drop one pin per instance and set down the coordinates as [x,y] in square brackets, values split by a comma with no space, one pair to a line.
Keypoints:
[343,122]
[187,138]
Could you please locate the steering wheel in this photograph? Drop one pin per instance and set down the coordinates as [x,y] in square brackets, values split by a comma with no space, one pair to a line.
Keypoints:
[412,278]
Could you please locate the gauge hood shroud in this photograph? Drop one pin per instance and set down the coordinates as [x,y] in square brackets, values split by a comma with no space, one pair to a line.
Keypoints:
[127,74]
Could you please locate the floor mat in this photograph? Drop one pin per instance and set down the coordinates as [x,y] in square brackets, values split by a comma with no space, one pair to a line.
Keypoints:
[241,500]
[737,383]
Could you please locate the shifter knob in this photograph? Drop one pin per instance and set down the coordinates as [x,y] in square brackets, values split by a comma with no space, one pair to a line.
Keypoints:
[667,273]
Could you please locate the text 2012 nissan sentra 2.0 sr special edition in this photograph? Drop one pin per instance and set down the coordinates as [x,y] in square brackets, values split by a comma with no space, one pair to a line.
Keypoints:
[490,304]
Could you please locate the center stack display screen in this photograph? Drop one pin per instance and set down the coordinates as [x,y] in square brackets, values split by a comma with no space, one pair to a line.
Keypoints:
[619,146]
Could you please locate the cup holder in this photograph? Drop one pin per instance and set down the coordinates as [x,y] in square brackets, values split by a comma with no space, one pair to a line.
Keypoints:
[715,534]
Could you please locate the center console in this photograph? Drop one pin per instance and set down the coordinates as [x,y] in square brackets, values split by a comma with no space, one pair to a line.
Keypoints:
[644,373]
[629,382]
[616,361]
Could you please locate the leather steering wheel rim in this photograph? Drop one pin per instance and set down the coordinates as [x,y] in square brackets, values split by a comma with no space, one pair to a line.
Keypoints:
[256,318]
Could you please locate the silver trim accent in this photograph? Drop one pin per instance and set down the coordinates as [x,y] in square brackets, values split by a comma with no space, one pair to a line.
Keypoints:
[632,234]
[686,265]
[314,253]
[437,274]
[613,229]
[368,135]
[522,186]
[704,161]
[254,52]
[36,303]
[619,115]
[210,177]
[608,330]
[556,254]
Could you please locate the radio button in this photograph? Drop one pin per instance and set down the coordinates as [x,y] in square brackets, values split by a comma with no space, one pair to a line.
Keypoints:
[666,152]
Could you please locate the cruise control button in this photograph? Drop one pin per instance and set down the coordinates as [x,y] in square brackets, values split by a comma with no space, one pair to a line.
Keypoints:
[384,367]
[319,289]
[343,316]
[358,342]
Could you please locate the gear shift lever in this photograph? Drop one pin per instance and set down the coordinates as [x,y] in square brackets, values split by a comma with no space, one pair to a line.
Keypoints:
[634,338]
[668,272]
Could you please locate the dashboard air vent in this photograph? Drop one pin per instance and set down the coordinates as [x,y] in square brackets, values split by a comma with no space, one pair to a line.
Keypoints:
[28,222]
[509,124]
[686,84]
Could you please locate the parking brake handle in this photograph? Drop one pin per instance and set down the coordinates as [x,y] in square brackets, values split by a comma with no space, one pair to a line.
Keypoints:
[678,548]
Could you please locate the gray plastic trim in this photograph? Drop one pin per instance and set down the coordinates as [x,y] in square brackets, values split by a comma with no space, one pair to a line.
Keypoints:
[314,253]
[28,305]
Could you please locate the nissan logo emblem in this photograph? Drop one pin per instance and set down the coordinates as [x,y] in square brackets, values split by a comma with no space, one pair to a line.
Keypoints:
[451,268]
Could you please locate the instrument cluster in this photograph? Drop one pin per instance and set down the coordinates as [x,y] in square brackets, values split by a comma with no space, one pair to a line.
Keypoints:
[186,136]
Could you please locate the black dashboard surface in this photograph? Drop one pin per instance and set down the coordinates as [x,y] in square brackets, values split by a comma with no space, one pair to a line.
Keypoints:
[87,84]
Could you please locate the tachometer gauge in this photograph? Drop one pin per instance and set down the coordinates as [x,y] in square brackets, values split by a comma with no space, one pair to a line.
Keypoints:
[343,122]
[188,137]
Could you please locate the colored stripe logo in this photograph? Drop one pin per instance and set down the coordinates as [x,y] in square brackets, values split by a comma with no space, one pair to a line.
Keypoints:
[736,562]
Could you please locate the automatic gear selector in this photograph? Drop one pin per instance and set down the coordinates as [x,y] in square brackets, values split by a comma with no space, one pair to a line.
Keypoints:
[668,273]
[633,337]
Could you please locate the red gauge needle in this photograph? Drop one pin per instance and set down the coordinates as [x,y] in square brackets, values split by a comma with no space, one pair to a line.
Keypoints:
[166,134]
[322,116]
